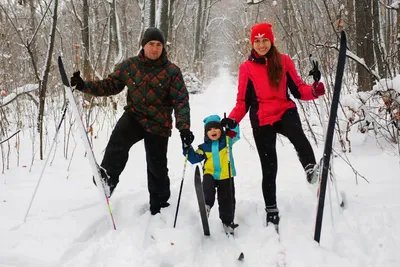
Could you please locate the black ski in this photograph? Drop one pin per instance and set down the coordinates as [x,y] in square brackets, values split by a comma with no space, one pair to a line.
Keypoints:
[325,161]
[90,155]
[200,199]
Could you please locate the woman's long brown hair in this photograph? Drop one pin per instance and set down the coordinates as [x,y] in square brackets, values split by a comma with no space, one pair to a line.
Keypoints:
[274,67]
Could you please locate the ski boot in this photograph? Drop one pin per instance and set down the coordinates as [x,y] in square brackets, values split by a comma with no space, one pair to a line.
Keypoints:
[312,173]
[229,228]
[273,218]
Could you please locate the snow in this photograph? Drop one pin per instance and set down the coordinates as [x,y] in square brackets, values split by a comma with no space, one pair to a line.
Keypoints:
[67,225]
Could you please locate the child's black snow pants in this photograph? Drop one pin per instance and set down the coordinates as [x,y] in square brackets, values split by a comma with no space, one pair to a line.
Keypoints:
[225,190]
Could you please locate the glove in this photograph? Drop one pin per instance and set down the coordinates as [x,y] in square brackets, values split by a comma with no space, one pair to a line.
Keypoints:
[318,89]
[187,138]
[77,81]
[315,71]
[231,134]
[228,123]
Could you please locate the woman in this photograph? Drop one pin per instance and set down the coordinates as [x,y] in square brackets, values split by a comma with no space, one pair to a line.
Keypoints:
[263,82]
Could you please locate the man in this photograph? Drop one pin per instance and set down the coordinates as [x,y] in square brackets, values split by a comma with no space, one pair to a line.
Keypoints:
[155,89]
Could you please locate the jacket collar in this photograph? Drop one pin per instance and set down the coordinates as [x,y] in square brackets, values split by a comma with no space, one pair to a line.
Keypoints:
[254,57]
[160,62]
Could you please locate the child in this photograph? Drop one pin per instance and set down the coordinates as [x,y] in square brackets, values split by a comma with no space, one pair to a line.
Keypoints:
[216,174]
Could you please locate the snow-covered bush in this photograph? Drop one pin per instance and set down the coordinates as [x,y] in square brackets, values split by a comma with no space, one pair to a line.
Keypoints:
[377,110]
[193,85]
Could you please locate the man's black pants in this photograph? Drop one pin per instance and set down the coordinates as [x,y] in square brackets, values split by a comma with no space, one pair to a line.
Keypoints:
[226,196]
[126,133]
[265,139]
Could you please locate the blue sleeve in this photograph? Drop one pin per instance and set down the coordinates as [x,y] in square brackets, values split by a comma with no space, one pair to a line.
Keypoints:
[237,137]
[195,156]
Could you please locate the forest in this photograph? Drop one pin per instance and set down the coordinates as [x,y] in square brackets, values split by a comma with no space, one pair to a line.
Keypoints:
[202,36]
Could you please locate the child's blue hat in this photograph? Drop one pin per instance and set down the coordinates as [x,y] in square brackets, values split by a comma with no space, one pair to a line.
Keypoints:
[213,121]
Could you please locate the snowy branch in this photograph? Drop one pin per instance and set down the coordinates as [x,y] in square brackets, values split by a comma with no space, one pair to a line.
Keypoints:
[26,89]
[354,57]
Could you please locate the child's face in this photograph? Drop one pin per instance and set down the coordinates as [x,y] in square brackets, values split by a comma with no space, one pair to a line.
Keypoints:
[214,134]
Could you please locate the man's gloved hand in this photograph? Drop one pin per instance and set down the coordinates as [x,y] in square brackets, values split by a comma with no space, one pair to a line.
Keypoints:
[77,81]
[228,123]
[187,138]
[318,89]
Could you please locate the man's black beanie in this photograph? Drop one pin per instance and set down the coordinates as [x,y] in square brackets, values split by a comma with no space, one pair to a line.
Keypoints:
[151,34]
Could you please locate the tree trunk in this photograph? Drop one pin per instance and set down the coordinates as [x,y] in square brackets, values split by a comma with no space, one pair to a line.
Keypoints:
[164,20]
[114,34]
[364,43]
[32,22]
[379,52]
[113,53]
[197,35]
[170,19]
[288,29]
[296,32]
[43,83]
[398,41]
[152,13]
[87,70]
[350,23]
[124,30]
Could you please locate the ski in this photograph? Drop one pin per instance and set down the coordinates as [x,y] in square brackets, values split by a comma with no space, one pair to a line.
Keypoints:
[235,246]
[325,160]
[92,160]
[200,199]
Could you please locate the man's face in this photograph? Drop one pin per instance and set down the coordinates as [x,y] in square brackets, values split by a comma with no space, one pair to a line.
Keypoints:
[153,49]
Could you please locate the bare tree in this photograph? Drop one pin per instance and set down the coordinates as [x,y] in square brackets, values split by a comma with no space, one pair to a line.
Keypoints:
[152,13]
[364,43]
[164,17]
[45,77]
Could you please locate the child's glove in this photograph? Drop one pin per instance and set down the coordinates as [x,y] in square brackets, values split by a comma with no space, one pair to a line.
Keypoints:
[231,134]
[228,123]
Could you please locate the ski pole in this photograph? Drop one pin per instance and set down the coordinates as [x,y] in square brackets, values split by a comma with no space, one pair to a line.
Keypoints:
[228,153]
[227,149]
[47,160]
[180,190]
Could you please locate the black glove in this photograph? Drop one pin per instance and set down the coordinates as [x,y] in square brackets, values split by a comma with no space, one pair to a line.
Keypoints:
[187,138]
[78,81]
[228,123]
[315,71]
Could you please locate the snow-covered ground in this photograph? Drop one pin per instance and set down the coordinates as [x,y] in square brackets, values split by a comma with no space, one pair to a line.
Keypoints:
[67,225]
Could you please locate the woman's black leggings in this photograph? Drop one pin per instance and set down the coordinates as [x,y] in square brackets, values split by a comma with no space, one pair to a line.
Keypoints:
[265,139]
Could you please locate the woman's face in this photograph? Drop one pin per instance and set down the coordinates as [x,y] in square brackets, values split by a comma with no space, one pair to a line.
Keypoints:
[262,46]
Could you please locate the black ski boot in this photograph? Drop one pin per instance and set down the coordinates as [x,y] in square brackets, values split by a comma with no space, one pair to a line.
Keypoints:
[312,172]
[108,184]
[273,218]
[229,228]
